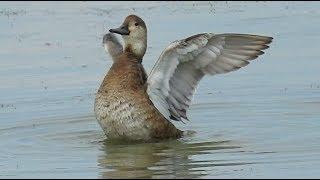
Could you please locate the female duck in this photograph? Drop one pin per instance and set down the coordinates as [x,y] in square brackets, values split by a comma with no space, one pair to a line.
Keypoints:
[133,106]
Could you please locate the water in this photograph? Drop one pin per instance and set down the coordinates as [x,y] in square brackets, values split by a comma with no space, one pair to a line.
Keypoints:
[259,122]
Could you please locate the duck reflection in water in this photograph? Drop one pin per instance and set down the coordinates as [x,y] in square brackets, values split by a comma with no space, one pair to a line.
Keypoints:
[166,159]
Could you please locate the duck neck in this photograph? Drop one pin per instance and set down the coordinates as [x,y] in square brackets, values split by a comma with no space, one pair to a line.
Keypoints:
[136,49]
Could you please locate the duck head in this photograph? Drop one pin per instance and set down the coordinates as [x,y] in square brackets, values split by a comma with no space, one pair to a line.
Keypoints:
[134,33]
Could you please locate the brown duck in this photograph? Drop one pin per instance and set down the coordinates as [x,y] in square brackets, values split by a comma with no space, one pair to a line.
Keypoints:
[133,106]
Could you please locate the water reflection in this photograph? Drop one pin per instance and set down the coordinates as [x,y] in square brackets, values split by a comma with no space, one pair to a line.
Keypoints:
[169,159]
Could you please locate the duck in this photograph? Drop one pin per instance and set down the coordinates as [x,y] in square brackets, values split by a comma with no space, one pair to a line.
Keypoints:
[135,106]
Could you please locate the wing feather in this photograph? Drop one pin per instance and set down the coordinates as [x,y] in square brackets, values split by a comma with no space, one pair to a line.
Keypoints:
[179,69]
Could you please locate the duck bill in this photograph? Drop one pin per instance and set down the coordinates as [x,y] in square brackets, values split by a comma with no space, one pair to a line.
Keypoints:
[123,30]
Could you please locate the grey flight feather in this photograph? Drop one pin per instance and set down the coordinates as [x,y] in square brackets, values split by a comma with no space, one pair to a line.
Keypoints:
[180,67]
[112,45]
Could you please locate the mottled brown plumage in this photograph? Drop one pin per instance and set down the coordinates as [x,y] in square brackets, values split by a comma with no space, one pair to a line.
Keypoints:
[122,105]
[126,82]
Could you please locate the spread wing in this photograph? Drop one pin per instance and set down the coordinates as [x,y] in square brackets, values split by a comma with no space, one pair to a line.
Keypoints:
[112,45]
[180,67]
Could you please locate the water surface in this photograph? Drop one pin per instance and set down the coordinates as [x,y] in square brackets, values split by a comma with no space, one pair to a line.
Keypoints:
[261,121]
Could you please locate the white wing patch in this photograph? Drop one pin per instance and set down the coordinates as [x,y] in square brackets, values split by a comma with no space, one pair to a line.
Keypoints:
[180,67]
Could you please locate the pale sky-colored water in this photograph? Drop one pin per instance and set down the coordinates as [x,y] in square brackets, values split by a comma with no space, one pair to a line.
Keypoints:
[259,122]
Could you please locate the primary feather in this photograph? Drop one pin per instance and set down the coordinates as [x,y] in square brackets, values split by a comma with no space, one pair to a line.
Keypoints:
[181,66]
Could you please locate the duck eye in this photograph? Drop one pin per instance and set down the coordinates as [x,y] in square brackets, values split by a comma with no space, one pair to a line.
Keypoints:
[136,24]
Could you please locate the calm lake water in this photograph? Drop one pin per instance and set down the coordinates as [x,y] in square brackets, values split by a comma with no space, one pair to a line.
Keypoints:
[262,121]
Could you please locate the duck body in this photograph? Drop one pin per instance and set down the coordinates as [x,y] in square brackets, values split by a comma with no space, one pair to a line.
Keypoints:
[123,107]
[132,106]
